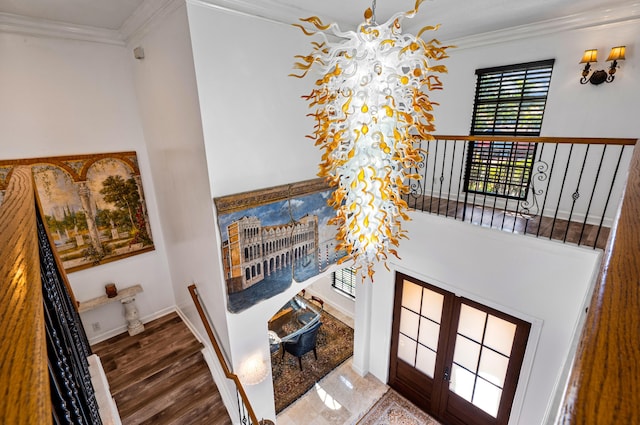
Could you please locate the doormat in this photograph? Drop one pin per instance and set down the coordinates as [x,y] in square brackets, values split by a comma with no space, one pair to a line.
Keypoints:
[393,409]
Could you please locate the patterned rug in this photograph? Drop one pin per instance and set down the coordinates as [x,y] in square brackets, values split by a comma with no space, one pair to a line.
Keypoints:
[393,409]
[334,345]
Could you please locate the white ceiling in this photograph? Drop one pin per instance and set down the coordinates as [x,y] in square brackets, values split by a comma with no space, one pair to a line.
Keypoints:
[459,18]
[104,14]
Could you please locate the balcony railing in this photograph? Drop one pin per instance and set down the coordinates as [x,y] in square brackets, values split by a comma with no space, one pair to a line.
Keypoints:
[604,386]
[568,189]
[44,372]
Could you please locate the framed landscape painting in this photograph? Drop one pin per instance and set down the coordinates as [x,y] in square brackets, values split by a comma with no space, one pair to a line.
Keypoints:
[93,205]
[275,236]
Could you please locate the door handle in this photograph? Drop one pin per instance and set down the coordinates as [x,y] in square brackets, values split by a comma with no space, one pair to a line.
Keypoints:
[446,374]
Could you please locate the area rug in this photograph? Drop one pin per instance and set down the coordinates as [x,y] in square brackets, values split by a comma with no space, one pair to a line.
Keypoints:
[393,409]
[334,345]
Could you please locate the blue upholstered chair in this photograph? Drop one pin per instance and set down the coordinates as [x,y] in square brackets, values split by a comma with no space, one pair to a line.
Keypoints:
[303,343]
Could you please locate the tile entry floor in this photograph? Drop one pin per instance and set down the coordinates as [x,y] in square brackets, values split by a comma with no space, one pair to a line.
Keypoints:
[341,397]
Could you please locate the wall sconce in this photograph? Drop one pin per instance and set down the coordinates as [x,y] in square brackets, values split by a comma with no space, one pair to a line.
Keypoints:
[253,370]
[600,76]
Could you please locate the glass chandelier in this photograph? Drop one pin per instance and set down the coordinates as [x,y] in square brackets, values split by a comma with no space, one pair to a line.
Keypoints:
[371,113]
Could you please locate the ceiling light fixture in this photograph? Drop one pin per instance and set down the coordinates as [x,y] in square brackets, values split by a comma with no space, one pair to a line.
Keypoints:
[372,112]
[600,76]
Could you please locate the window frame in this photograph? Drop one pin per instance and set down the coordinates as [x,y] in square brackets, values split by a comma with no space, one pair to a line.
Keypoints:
[338,283]
[495,168]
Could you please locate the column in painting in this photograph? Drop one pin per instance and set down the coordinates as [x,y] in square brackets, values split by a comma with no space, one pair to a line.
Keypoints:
[143,204]
[85,198]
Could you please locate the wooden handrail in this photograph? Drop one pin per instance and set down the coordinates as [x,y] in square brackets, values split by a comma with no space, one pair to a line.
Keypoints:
[570,140]
[24,379]
[227,371]
[604,386]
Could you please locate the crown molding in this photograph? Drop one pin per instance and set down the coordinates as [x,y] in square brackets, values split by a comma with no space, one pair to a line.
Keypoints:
[268,10]
[23,25]
[151,13]
[146,17]
[626,13]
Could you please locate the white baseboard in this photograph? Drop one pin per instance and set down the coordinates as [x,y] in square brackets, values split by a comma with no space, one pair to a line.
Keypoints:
[120,329]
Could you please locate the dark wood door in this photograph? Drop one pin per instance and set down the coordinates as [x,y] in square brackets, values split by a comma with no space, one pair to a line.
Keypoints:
[455,358]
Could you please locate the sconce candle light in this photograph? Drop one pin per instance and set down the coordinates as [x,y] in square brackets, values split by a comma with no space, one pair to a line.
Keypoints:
[600,76]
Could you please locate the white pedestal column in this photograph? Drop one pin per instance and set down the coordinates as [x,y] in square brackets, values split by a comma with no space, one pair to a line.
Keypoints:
[134,325]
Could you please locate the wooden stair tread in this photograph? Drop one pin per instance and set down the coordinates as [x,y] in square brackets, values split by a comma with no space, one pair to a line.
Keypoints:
[160,376]
[147,368]
[124,341]
[143,393]
[190,401]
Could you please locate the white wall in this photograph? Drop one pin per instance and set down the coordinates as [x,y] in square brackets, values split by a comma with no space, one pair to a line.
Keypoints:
[323,289]
[64,97]
[540,281]
[166,89]
[254,129]
[573,109]
[536,278]
[254,126]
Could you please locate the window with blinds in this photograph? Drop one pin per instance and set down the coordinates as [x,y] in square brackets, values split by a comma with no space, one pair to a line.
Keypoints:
[510,101]
[344,280]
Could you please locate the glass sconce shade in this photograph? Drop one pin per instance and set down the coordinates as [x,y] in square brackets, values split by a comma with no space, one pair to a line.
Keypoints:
[616,54]
[372,112]
[590,56]
[253,370]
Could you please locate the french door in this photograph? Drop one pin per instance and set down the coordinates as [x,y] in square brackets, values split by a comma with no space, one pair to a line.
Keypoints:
[456,359]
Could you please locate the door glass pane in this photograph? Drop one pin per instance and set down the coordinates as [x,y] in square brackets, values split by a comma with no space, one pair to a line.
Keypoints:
[407,350]
[462,382]
[429,333]
[493,367]
[409,323]
[487,397]
[411,296]
[466,353]
[500,335]
[432,305]
[426,361]
[471,322]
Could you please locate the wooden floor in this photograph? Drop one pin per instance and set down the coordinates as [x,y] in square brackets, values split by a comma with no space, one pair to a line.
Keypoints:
[572,232]
[160,377]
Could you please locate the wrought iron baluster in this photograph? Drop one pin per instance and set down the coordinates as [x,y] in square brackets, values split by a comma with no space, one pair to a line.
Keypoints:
[564,179]
[606,204]
[593,191]
[544,202]
[465,145]
[453,159]
[67,343]
[441,178]
[576,194]
[526,205]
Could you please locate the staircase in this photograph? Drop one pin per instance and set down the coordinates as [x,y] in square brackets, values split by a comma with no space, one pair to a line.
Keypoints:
[160,376]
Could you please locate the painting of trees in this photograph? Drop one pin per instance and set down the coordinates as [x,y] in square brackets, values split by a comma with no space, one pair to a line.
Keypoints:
[94,206]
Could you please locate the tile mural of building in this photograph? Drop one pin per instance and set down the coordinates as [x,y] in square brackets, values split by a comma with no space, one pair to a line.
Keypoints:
[253,251]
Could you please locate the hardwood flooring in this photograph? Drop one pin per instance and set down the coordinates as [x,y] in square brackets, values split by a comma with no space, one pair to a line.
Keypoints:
[160,377]
[572,232]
